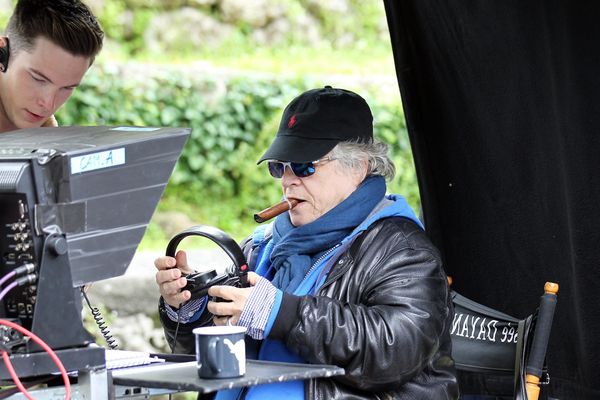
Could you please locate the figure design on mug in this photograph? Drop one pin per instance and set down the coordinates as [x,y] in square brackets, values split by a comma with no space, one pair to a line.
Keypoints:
[239,350]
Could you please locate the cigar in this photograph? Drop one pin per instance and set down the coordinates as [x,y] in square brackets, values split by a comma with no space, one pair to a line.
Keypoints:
[275,210]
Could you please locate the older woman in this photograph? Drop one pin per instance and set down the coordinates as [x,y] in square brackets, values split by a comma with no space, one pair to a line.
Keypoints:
[347,277]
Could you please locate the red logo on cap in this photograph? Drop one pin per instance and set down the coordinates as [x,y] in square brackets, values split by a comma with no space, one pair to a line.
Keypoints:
[292,121]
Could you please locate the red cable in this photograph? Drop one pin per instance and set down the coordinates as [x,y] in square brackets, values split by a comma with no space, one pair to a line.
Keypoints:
[47,349]
[14,376]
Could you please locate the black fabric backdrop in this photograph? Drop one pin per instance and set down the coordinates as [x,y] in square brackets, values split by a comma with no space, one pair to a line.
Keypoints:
[502,101]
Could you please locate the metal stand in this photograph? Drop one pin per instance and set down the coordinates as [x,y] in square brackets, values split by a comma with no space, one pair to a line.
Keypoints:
[59,328]
[39,364]
[147,381]
[92,385]
[184,376]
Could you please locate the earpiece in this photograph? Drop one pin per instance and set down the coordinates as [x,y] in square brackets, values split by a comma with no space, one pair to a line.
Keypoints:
[4,54]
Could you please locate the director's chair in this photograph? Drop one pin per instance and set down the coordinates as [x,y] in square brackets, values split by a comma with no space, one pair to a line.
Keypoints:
[498,355]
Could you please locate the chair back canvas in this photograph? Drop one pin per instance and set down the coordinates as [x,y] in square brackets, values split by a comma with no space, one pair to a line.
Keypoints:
[489,349]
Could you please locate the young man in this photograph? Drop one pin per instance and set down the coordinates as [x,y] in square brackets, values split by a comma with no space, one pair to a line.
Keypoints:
[47,48]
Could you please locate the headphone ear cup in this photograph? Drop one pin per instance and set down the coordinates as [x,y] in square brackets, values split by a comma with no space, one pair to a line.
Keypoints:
[4,54]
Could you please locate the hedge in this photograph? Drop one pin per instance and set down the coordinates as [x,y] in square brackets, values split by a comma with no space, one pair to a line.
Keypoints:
[233,120]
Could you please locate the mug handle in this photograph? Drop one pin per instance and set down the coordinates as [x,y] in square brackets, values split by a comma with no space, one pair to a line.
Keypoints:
[212,357]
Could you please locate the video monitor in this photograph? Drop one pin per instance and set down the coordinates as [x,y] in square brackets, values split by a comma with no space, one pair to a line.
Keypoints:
[96,187]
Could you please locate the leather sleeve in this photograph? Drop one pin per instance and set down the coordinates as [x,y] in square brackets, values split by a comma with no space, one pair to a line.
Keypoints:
[184,342]
[382,317]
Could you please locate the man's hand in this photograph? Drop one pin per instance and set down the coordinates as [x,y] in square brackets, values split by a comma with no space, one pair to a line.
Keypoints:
[170,280]
[234,301]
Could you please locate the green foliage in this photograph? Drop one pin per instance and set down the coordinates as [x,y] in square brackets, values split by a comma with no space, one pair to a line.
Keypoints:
[216,180]
[124,26]
[362,27]
[5,15]
[110,19]
[390,128]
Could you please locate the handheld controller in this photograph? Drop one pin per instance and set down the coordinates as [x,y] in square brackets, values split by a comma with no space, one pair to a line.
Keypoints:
[199,282]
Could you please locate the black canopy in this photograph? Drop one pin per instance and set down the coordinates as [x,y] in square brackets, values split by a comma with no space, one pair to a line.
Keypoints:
[502,101]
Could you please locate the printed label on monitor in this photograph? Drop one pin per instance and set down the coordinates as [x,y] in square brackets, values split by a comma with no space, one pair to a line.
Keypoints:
[94,161]
[134,129]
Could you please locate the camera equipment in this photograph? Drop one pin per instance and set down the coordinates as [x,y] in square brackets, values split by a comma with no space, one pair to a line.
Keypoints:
[75,203]
[199,283]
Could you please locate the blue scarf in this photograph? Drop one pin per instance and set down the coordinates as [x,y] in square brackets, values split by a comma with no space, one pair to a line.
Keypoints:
[295,249]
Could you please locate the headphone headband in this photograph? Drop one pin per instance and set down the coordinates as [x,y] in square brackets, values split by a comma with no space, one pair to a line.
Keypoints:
[225,241]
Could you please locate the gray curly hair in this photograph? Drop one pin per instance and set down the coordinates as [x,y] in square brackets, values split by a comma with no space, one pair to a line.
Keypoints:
[352,154]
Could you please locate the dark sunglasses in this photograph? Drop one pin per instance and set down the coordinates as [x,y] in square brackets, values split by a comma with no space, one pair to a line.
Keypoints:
[301,170]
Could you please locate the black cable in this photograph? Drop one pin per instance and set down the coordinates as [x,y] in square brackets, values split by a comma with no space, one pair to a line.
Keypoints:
[97,315]
[175,335]
[176,330]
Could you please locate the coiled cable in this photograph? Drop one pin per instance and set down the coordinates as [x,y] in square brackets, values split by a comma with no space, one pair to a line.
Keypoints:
[97,315]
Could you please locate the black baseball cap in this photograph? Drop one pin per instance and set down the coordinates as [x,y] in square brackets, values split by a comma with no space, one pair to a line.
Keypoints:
[314,122]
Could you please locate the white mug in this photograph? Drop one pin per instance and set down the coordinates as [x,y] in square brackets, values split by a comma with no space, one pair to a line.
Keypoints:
[220,351]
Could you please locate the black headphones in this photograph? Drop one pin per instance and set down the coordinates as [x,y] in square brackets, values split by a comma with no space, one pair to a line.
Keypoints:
[199,283]
[4,55]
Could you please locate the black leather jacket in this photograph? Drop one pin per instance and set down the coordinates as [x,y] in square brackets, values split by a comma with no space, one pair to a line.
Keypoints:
[383,314]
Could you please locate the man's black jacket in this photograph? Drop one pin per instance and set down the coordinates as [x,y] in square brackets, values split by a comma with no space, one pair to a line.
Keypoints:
[383,314]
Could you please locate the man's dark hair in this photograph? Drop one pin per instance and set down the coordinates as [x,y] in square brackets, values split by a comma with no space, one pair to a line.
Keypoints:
[67,23]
